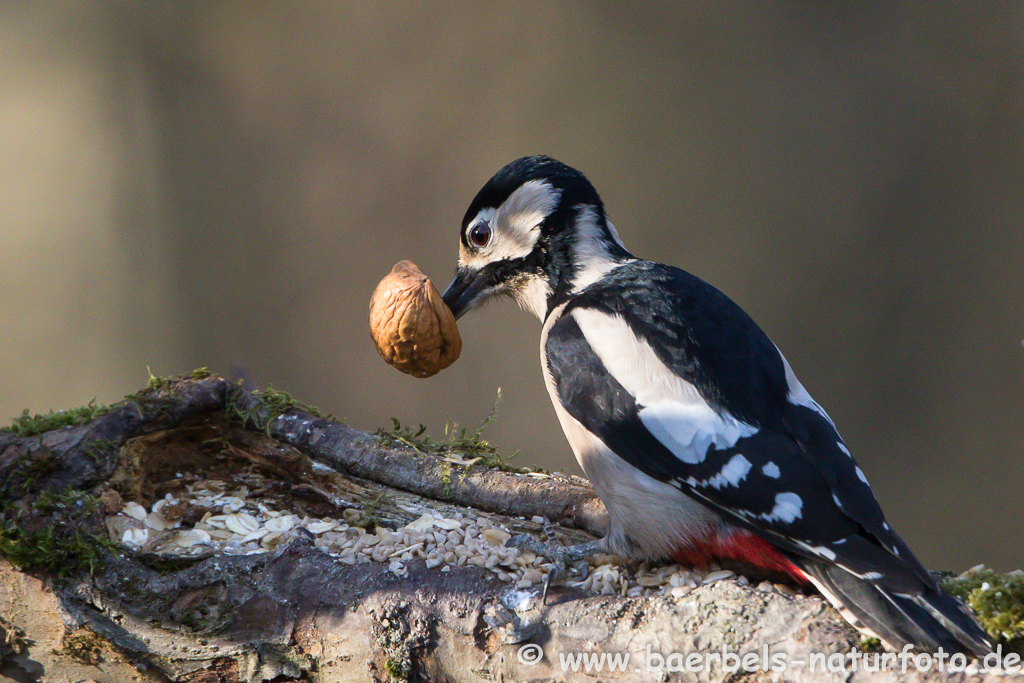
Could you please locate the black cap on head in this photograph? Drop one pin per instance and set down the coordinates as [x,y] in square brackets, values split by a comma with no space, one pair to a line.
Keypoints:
[575,187]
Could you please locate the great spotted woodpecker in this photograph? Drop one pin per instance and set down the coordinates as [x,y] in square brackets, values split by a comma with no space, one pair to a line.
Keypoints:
[685,416]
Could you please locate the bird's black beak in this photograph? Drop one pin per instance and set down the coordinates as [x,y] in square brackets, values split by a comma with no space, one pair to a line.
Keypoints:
[463,293]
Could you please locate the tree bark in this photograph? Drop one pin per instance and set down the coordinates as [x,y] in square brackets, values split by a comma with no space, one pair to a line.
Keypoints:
[80,606]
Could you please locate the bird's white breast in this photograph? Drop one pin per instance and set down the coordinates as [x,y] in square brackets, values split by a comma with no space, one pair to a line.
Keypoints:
[647,517]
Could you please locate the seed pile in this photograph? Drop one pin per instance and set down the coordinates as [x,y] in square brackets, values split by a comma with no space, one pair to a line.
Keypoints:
[208,518]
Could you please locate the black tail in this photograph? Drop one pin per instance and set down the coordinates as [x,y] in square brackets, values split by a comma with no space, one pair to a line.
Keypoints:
[927,620]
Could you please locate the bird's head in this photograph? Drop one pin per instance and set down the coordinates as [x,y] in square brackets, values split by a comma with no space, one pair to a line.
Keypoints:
[536,232]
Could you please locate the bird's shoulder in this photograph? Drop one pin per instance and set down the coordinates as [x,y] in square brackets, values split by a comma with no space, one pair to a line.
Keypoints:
[696,331]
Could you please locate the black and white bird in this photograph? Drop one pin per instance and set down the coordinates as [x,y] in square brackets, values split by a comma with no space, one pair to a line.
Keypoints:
[685,416]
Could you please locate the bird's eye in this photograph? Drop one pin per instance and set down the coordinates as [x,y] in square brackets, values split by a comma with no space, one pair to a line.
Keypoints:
[480,235]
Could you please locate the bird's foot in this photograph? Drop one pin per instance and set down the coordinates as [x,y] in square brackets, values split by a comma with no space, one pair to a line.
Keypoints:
[562,557]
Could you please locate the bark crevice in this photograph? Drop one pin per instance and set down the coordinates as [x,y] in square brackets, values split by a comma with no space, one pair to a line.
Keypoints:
[298,613]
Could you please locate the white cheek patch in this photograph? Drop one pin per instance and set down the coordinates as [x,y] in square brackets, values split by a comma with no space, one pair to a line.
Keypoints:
[515,225]
[526,208]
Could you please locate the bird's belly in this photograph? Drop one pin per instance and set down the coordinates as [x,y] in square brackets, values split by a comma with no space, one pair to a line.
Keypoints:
[647,518]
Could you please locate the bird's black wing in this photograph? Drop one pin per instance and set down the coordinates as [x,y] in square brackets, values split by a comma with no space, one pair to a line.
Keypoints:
[679,382]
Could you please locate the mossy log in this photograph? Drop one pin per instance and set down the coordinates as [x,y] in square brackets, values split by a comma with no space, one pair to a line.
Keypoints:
[77,605]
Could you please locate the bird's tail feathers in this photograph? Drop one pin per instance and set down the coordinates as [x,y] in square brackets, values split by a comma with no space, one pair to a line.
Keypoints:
[927,620]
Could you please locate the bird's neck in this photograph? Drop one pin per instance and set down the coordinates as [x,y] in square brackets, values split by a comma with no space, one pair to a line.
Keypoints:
[594,251]
[533,294]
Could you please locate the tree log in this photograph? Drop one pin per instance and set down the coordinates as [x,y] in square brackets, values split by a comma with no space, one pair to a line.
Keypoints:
[76,604]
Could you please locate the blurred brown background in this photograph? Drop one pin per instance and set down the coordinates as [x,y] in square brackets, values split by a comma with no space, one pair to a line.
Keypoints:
[190,184]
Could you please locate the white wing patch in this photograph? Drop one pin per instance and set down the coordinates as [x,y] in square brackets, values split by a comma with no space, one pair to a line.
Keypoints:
[732,474]
[824,552]
[670,407]
[798,396]
[690,429]
[788,508]
[771,470]
[819,550]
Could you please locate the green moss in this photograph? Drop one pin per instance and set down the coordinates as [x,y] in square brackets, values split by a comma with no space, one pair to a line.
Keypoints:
[157,383]
[69,500]
[49,534]
[158,400]
[446,480]
[410,437]
[392,633]
[369,517]
[40,465]
[30,425]
[280,402]
[96,449]
[457,441]
[997,600]
[58,550]
[30,470]
[271,405]
[870,644]
[398,670]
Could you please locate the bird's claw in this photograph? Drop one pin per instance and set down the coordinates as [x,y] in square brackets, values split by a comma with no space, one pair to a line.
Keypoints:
[562,558]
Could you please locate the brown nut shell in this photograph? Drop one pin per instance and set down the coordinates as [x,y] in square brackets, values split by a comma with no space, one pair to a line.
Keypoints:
[411,326]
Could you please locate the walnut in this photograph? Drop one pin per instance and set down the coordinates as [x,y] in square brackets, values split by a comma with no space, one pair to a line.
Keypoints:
[411,326]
